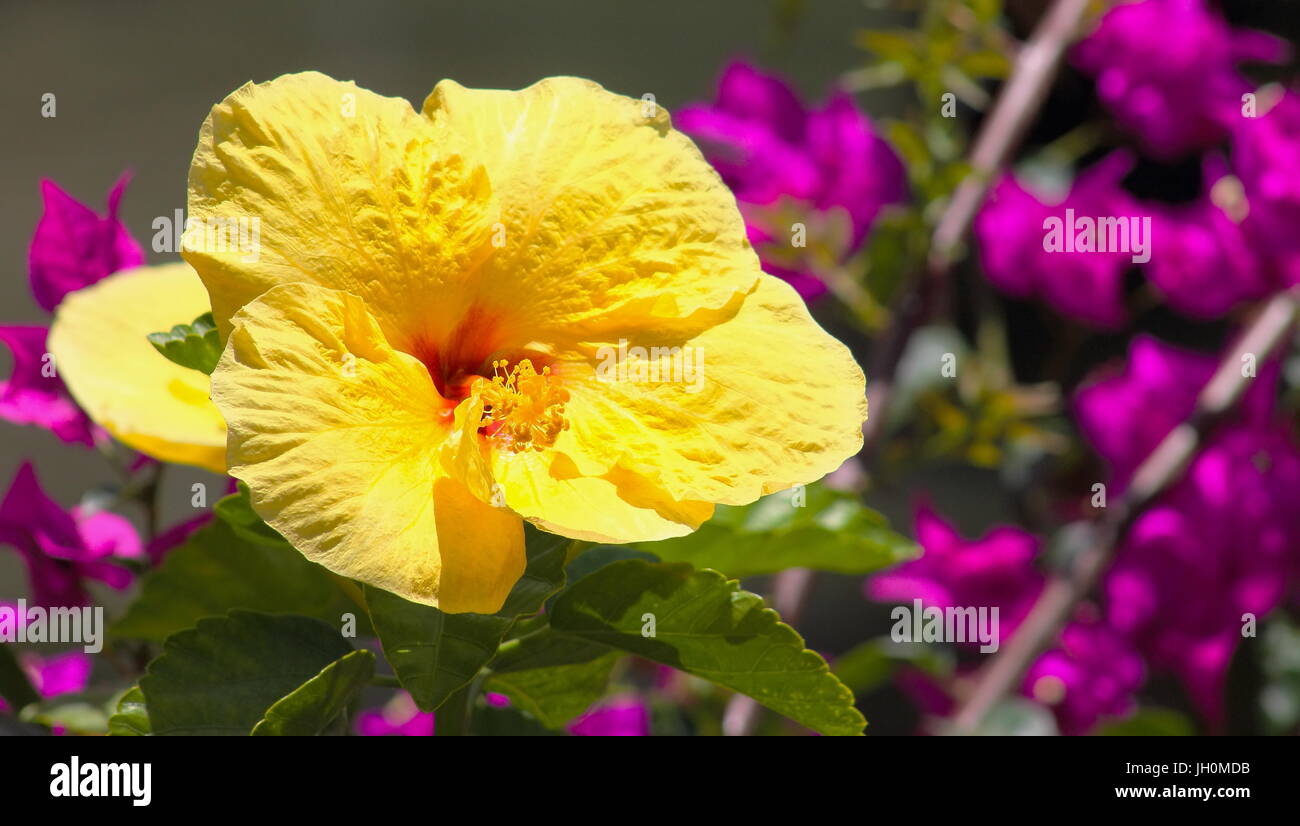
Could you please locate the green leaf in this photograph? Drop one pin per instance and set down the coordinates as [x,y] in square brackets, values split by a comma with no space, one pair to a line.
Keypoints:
[317,703]
[491,721]
[547,554]
[832,531]
[863,668]
[868,665]
[432,652]
[78,713]
[906,138]
[14,685]
[1150,722]
[986,11]
[593,559]
[543,648]
[220,568]
[222,676]
[195,345]
[132,717]
[556,694]
[706,625]
[237,511]
[896,44]
[987,63]
[435,653]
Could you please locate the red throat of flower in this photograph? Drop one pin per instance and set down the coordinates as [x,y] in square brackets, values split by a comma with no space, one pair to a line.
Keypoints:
[522,408]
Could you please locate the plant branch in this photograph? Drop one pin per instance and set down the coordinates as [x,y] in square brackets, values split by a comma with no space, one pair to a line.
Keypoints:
[452,718]
[1016,106]
[1265,336]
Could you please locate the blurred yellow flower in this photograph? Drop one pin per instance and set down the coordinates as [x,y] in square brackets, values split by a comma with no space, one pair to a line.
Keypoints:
[100,345]
[532,305]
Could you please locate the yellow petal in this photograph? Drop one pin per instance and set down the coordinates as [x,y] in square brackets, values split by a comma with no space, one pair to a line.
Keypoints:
[100,347]
[535,229]
[778,402]
[611,220]
[337,435]
[617,507]
[546,488]
[351,190]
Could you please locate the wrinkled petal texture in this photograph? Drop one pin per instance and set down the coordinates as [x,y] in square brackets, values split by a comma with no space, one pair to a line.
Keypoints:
[352,191]
[780,403]
[336,434]
[100,343]
[612,220]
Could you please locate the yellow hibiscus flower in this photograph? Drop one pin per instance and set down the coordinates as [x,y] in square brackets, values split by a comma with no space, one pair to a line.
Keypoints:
[536,305]
[99,340]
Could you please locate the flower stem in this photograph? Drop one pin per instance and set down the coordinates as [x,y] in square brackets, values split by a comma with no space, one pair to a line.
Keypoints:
[453,716]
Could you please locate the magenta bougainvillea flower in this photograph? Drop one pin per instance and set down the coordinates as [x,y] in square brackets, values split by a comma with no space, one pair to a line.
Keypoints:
[1010,231]
[617,717]
[58,674]
[1236,243]
[1266,157]
[995,571]
[63,548]
[1091,674]
[1228,535]
[1222,542]
[34,394]
[1125,413]
[74,246]
[1220,545]
[1147,56]
[1207,263]
[172,538]
[398,718]
[772,150]
[55,675]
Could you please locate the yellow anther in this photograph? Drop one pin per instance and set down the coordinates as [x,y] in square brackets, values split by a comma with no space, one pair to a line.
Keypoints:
[523,409]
